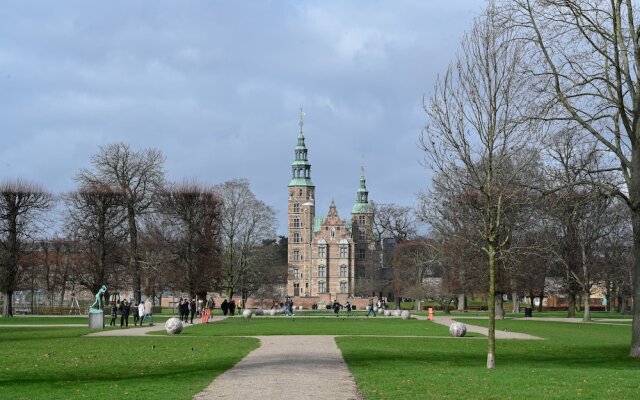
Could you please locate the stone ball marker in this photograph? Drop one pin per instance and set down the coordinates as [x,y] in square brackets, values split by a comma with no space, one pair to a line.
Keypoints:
[458,329]
[173,326]
[387,313]
[273,312]
[247,314]
[405,314]
[396,313]
[259,311]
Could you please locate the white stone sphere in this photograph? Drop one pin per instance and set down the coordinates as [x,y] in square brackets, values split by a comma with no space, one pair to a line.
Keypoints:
[273,312]
[397,313]
[259,311]
[247,314]
[173,326]
[405,314]
[387,313]
[458,329]
[299,307]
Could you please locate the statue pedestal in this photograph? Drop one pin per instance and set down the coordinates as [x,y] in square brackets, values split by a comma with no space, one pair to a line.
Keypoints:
[96,319]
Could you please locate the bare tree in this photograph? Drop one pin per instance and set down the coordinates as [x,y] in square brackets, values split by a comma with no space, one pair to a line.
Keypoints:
[477,140]
[246,223]
[188,225]
[135,174]
[22,206]
[94,217]
[588,58]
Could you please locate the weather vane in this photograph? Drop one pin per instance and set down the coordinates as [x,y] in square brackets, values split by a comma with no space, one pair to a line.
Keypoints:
[302,114]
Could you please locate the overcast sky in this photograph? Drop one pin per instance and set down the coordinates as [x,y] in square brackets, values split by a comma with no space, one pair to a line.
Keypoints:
[217,87]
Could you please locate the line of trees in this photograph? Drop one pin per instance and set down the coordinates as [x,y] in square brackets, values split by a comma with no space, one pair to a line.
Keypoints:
[127,227]
[533,137]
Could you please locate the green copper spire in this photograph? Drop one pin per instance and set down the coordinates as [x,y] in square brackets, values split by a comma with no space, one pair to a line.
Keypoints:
[362,197]
[301,167]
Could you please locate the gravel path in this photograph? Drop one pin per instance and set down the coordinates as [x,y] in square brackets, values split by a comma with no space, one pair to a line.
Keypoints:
[484,331]
[278,368]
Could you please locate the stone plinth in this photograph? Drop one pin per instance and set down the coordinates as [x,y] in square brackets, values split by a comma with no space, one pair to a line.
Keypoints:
[96,319]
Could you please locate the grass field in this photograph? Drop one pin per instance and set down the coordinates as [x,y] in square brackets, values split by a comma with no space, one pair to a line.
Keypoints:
[585,361]
[259,326]
[390,358]
[56,363]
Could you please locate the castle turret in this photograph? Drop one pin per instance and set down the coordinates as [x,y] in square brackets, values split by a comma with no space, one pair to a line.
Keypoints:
[301,213]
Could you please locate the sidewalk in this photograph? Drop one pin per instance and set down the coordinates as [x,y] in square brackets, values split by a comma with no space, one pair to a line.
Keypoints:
[287,368]
[447,321]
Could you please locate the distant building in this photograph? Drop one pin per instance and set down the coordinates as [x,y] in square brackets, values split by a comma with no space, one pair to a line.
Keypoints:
[327,257]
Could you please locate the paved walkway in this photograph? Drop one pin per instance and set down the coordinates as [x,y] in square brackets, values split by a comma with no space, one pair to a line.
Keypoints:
[447,321]
[278,367]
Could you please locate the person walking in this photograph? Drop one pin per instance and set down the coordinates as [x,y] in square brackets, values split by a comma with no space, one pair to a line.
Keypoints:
[232,307]
[192,308]
[370,308]
[336,307]
[141,312]
[125,308]
[136,315]
[347,307]
[148,310]
[224,307]
[114,314]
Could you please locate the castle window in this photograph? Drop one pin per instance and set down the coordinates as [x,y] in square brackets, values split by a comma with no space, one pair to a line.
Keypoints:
[296,222]
[296,207]
[322,288]
[299,192]
[322,251]
[344,251]
[296,237]
[343,287]
[296,255]
[343,271]
[361,254]
[322,270]
[362,219]
[296,273]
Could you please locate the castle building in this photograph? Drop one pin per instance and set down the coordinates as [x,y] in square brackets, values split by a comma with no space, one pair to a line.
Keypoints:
[327,256]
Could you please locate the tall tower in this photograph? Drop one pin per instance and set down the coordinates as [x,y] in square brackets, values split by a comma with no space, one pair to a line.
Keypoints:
[300,216]
[362,230]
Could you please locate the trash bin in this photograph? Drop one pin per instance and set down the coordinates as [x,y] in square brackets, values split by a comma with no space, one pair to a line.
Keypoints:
[528,312]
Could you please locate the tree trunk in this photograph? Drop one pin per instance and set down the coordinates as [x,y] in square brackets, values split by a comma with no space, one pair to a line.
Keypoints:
[516,302]
[462,302]
[541,297]
[571,305]
[7,309]
[491,303]
[586,296]
[635,218]
[499,306]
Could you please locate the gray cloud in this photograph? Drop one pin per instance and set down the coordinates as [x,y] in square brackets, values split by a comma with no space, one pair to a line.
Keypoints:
[217,85]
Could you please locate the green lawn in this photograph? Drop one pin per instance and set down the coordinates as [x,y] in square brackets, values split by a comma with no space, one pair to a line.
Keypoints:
[258,326]
[586,361]
[54,363]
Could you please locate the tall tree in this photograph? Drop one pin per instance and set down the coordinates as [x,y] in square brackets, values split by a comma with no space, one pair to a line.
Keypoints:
[586,56]
[246,223]
[22,206]
[94,218]
[137,175]
[476,139]
[188,224]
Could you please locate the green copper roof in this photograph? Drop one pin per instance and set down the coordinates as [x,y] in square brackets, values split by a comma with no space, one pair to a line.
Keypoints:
[362,198]
[300,182]
[361,208]
[301,167]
